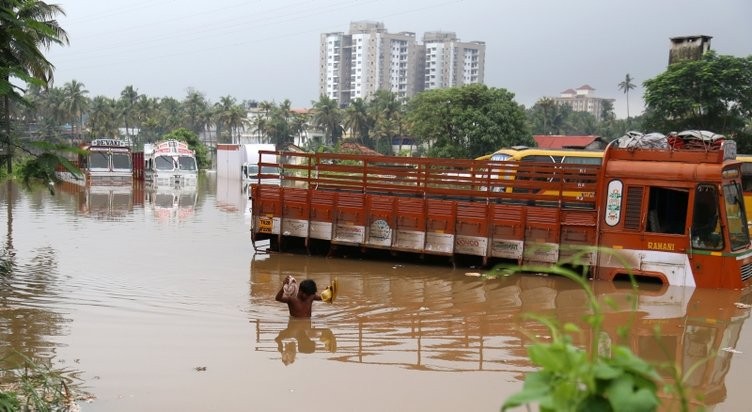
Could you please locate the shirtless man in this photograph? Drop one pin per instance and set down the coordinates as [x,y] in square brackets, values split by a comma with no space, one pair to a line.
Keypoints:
[300,304]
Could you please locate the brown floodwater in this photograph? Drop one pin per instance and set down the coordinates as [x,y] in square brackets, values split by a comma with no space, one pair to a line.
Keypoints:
[158,301]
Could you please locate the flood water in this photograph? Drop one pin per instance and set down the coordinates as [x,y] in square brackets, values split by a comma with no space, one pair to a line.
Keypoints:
[158,301]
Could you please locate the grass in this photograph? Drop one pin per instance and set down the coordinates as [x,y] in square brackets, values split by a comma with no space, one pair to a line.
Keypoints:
[26,385]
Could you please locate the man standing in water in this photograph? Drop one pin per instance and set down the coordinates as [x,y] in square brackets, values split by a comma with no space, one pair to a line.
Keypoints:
[299,304]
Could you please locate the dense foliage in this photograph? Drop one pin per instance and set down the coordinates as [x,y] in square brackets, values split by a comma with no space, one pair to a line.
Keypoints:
[468,121]
[27,27]
[713,93]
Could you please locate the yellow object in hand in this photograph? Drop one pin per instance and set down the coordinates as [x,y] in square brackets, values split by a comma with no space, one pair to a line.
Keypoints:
[330,293]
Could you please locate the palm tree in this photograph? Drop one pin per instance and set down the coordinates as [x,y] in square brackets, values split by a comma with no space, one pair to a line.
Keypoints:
[626,86]
[145,111]
[386,116]
[103,117]
[328,117]
[52,111]
[357,121]
[26,25]
[169,114]
[231,115]
[208,120]
[76,103]
[194,106]
[128,98]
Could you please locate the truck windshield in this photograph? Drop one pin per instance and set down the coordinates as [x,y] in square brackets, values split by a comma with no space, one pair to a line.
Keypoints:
[164,163]
[99,160]
[737,219]
[187,163]
[706,224]
[121,161]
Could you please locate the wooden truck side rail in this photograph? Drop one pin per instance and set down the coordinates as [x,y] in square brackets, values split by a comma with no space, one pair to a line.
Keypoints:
[471,180]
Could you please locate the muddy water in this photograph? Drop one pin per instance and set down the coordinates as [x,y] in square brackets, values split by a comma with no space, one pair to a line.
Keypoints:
[157,301]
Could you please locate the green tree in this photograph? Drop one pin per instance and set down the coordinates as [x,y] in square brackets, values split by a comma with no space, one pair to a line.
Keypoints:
[386,113]
[327,116]
[607,111]
[103,117]
[76,103]
[581,123]
[713,93]
[169,116]
[194,105]
[467,121]
[547,117]
[625,86]
[145,114]
[279,126]
[28,27]
[357,120]
[128,98]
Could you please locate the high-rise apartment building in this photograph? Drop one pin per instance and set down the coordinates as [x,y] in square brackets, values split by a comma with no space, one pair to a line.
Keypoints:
[368,58]
[450,62]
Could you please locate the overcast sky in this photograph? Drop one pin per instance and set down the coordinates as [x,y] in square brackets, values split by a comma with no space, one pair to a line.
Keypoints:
[268,50]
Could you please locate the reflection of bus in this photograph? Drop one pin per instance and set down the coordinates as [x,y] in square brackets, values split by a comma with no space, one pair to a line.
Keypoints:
[525,154]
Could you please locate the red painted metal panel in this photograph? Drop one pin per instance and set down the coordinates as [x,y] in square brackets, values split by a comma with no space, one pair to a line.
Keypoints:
[295,203]
[507,221]
[542,224]
[411,214]
[322,205]
[440,216]
[137,159]
[267,200]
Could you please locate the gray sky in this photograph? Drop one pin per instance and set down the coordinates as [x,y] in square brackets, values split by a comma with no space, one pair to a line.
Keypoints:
[268,50]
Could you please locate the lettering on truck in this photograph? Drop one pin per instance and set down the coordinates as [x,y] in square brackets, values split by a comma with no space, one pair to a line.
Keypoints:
[662,246]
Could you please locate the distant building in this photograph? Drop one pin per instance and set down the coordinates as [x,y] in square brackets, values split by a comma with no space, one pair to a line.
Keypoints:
[450,62]
[583,99]
[369,58]
[688,48]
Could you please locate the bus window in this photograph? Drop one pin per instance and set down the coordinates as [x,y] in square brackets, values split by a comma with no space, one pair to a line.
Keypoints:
[706,227]
[580,160]
[539,158]
[500,157]
[746,176]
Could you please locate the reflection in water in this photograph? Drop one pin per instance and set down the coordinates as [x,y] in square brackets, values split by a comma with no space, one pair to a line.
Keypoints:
[171,204]
[232,195]
[104,202]
[300,336]
[694,330]
[413,319]
[28,324]
[138,305]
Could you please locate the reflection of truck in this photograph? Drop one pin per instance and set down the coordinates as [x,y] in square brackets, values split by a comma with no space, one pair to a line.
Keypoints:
[232,159]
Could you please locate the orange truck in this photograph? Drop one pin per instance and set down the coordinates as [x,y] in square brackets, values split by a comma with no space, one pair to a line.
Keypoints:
[672,214]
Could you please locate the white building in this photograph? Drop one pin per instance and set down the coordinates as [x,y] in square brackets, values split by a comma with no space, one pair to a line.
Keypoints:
[583,99]
[450,62]
[368,58]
